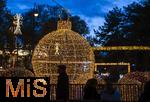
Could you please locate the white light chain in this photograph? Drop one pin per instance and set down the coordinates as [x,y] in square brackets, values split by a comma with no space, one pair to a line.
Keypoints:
[18,22]
[57,48]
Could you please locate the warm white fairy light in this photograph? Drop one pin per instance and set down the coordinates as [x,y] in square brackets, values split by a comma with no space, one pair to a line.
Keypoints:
[57,48]
[18,22]
[64,46]
[111,48]
[114,64]
[21,52]
[1,52]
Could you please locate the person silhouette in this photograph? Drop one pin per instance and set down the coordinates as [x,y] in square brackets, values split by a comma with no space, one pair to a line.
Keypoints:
[62,90]
[90,91]
[110,93]
[145,96]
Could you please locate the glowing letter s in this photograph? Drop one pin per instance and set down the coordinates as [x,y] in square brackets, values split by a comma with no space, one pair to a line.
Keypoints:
[39,87]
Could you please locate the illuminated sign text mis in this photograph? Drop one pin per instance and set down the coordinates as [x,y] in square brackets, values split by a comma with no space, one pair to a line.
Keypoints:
[19,89]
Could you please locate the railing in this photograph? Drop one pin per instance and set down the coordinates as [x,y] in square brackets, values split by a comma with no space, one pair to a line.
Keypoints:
[129,92]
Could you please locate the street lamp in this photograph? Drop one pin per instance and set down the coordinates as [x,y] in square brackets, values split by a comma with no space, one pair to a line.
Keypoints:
[35,10]
[36,14]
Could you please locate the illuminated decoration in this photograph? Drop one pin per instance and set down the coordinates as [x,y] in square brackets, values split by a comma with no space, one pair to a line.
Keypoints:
[111,48]
[18,22]
[135,78]
[57,48]
[1,52]
[21,52]
[2,71]
[114,64]
[18,72]
[64,46]
[7,52]
[132,81]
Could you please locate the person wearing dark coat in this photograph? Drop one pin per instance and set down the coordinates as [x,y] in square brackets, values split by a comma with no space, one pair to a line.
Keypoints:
[145,96]
[90,91]
[62,90]
[110,93]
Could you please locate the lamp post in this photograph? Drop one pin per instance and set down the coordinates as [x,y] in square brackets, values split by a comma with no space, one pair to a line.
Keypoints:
[34,16]
[35,10]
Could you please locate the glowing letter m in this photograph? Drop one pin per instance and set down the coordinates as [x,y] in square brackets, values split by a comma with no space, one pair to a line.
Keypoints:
[9,87]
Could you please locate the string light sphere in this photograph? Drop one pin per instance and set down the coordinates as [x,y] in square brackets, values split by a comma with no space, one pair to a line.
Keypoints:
[64,46]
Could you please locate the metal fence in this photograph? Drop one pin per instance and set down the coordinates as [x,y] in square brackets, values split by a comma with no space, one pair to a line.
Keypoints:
[129,92]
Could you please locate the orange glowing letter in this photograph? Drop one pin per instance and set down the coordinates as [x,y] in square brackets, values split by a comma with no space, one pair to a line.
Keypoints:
[14,93]
[39,87]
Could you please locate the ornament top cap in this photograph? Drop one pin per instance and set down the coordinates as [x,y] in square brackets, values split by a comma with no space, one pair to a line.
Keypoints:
[64,24]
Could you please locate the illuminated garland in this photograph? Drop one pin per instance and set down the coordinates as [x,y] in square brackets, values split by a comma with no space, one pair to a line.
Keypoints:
[21,72]
[109,48]
[114,64]
[64,46]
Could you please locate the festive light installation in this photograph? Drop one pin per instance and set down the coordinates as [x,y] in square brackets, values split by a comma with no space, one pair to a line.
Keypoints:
[132,83]
[2,71]
[120,48]
[18,22]
[114,64]
[18,72]
[64,46]
[111,48]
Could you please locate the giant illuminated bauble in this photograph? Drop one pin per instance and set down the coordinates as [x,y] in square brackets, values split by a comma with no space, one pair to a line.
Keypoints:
[63,46]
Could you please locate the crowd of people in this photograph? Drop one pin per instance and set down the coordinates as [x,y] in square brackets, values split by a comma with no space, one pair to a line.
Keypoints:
[110,93]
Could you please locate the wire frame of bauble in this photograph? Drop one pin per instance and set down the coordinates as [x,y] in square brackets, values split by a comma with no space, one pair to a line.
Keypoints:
[64,46]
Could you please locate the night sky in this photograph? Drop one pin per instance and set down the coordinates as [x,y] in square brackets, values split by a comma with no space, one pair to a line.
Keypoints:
[92,11]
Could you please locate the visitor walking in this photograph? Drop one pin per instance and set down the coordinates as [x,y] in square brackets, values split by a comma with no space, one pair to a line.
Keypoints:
[90,91]
[110,93]
[62,90]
